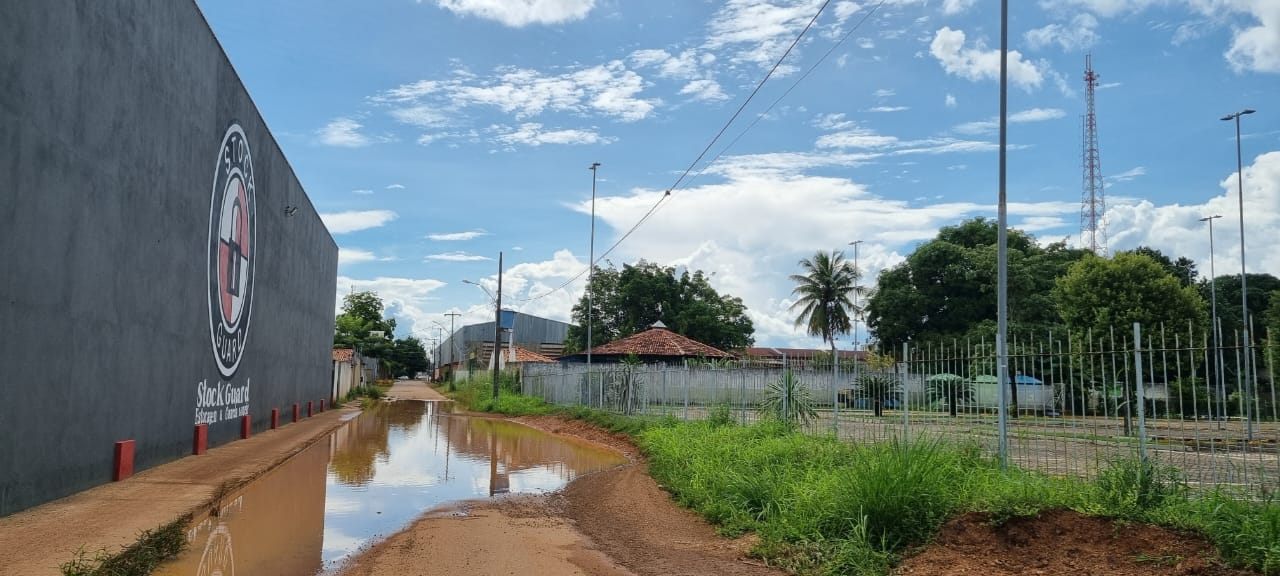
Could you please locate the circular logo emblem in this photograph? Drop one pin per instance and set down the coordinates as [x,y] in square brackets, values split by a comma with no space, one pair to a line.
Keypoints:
[233,226]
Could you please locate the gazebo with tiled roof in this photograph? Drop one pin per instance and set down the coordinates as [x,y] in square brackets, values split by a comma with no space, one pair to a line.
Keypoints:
[657,344]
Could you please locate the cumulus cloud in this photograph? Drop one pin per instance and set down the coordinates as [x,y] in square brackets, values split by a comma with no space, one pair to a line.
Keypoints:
[354,256]
[457,257]
[344,132]
[356,220]
[456,236]
[950,101]
[532,134]
[976,62]
[608,89]
[1079,34]
[404,298]
[520,13]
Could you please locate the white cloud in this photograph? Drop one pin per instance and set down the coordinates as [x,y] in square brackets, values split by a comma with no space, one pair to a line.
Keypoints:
[950,101]
[1128,175]
[704,89]
[519,13]
[421,116]
[395,187]
[456,236]
[684,66]
[1021,117]
[956,6]
[889,109]
[608,89]
[354,256]
[866,43]
[759,31]
[842,61]
[979,63]
[457,257]
[362,192]
[344,132]
[832,121]
[884,93]
[1079,34]
[532,134]
[355,220]
[404,298]
[1175,229]
[856,138]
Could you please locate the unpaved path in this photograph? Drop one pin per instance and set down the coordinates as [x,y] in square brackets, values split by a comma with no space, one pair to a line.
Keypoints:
[38,540]
[414,390]
[612,523]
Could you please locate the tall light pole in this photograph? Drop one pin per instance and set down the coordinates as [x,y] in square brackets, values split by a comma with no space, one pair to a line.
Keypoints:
[1244,292]
[1002,239]
[452,339]
[591,265]
[856,310]
[1213,304]
[497,329]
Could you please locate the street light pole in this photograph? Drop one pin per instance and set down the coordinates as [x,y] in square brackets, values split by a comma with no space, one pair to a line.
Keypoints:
[497,329]
[1244,292]
[452,340]
[1002,239]
[1213,302]
[857,275]
[591,266]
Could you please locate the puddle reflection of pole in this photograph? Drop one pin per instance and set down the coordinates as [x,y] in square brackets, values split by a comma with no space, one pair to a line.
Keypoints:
[493,462]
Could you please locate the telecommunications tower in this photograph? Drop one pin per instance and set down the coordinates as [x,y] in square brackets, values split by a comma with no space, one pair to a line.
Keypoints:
[1093,203]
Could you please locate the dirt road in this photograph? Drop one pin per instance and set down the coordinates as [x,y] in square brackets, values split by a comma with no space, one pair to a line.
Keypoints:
[612,523]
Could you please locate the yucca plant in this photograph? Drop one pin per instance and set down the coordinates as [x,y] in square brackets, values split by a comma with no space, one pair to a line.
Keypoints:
[788,401]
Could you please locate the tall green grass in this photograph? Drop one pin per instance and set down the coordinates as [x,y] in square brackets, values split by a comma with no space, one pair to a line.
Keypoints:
[821,506]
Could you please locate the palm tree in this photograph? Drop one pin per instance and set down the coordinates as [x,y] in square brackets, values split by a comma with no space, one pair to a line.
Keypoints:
[824,290]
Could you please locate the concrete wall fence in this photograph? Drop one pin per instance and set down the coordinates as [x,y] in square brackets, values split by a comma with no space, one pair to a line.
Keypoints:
[162,265]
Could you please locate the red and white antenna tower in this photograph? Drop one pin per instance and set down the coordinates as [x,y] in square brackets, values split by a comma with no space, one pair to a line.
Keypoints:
[1093,205]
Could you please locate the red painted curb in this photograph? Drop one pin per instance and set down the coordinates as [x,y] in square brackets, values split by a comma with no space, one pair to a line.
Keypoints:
[123,460]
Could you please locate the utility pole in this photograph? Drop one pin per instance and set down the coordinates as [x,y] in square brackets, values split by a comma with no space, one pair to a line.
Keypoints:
[1213,298]
[452,341]
[1002,282]
[1244,292]
[497,329]
[591,266]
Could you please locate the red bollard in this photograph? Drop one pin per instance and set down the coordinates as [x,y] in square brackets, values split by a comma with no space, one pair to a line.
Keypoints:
[295,412]
[123,460]
[201,442]
[275,418]
[246,426]
[322,404]
[308,408]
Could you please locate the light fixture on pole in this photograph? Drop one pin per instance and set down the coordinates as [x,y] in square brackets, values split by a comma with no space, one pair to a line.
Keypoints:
[591,265]
[1213,301]
[1244,292]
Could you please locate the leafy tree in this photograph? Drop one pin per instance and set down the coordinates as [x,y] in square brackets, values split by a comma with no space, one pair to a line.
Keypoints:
[1104,293]
[947,287]
[824,291]
[362,315]
[1184,269]
[630,300]
[1262,288]
[410,357]
[1272,316]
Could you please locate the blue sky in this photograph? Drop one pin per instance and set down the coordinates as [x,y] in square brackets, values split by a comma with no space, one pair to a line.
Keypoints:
[433,134]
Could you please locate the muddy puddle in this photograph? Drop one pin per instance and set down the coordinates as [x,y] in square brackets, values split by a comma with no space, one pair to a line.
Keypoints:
[370,479]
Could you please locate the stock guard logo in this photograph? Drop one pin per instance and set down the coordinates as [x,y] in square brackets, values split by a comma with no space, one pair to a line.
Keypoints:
[233,227]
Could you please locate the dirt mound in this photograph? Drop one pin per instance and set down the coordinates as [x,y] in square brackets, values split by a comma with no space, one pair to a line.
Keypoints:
[1063,543]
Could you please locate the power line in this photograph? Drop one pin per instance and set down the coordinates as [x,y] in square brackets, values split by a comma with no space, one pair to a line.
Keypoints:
[712,143]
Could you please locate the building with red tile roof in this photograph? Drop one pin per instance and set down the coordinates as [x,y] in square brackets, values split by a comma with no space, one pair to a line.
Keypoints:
[657,344]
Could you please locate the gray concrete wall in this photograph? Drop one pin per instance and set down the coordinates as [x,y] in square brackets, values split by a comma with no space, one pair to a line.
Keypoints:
[113,117]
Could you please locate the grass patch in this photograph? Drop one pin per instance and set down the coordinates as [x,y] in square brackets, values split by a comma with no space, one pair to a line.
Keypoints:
[140,558]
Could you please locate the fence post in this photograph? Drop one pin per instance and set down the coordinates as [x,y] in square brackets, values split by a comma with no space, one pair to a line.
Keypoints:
[906,369]
[1142,404]
[684,376]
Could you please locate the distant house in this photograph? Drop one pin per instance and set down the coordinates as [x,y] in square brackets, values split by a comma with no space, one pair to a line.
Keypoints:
[653,346]
[799,358]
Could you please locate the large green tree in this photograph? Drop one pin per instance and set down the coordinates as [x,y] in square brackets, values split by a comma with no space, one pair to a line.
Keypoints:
[632,299]
[1182,268]
[946,288]
[409,357]
[1262,288]
[360,321]
[1112,293]
[824,292]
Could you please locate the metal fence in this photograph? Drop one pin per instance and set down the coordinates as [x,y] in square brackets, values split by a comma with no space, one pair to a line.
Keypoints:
[1074,403]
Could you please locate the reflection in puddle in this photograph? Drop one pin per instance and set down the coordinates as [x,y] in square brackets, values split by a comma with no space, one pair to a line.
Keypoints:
[369,480]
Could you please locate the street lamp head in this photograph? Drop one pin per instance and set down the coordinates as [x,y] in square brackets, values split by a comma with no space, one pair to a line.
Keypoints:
[855,243]
[1248,111]
[1208,218]
[594,165]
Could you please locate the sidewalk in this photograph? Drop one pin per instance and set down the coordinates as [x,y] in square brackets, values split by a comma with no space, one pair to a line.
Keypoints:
[38,540]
